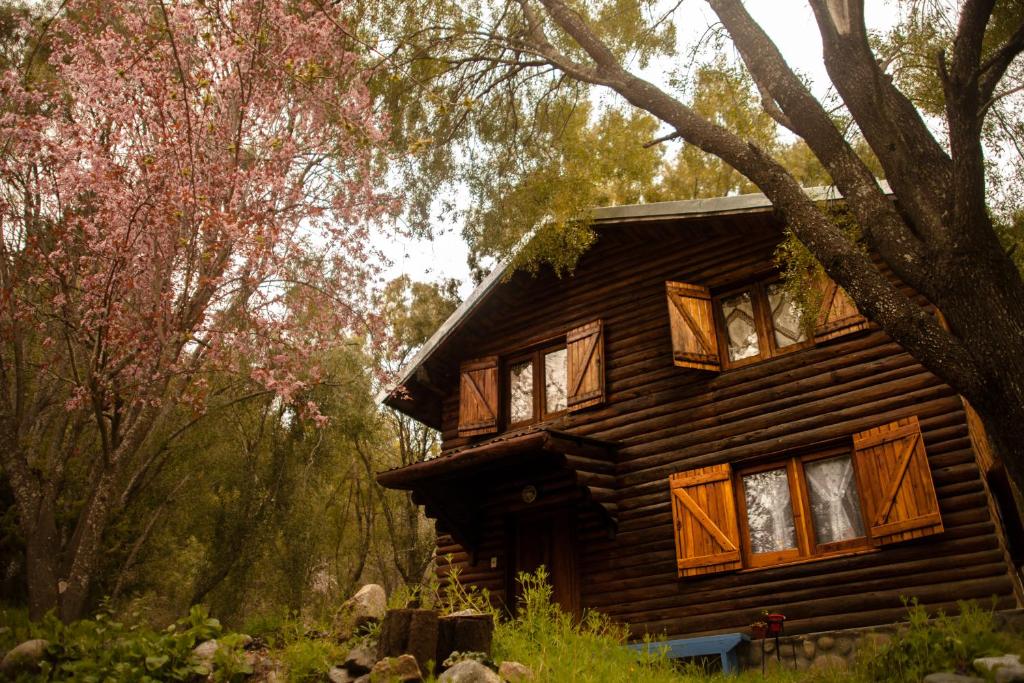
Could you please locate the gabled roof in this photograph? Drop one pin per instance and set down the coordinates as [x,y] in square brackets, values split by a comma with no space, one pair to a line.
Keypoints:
[606,216]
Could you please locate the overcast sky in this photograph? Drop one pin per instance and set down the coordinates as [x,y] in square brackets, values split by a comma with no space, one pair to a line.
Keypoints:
[789,22]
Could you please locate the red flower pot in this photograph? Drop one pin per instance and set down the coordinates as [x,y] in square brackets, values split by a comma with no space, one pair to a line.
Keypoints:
[775,624]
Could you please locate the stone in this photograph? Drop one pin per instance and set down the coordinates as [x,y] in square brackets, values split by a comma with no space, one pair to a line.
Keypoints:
[403,669]
[469,671]
[844,646]
[1010,674]
[826,643]
[469,612]
[204,652]
[514,672]
[339,675]
[992,663]
[361,659]
[808,649]
[25,657]
[829,662]
[947,677]
[769,646]
[367,606]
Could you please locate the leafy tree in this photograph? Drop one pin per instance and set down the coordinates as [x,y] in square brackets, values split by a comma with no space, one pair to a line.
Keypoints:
[186,196]
[940,236]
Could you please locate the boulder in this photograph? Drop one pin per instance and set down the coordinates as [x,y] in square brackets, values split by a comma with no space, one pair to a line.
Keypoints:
[1010,674]
[401,669]
[947,677]
[808,649]
[514,672]
[469,671]
[826,643]
[367,606]
[24,657]
[204,652]
[339,675]
[984,664]
[361,659]
[876,640]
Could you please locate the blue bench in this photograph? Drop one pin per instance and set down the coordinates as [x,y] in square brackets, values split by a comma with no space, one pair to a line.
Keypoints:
[723,645]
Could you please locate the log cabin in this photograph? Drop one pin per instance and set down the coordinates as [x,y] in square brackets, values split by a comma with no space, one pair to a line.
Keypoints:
[661,431]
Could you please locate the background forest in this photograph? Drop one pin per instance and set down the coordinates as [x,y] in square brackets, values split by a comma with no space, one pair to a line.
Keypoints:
[196,319]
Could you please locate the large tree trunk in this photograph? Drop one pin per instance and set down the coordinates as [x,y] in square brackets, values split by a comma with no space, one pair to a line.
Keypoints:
[42,562]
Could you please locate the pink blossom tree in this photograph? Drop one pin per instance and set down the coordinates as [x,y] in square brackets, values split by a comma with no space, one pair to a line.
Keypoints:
[188,190]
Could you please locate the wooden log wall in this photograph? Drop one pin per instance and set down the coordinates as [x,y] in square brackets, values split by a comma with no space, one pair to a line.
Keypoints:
[669,419]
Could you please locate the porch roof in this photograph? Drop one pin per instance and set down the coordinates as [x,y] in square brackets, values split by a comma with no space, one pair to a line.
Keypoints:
[452,487]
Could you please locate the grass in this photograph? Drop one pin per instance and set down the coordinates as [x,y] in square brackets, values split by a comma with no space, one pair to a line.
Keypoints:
[553,644]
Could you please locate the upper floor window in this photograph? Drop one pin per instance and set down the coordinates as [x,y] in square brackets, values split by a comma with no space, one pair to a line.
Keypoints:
[750,323]
[554,377]
[537,385]
[759,321]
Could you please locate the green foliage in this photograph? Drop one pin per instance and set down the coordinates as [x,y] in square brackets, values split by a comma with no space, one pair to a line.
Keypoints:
[558,648]
[801,271]
[106,649]
[309,659]
[942,643]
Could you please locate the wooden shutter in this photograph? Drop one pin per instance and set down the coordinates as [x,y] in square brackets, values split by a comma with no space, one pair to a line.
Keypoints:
[585,362]
[896,482]
[478,396]
[838,314]
[694,344]
[704,513]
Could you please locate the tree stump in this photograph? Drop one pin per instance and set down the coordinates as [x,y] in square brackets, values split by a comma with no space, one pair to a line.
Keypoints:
[409,631]
[464,633]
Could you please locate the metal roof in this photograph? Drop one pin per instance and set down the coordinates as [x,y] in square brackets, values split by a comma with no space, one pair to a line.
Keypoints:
[630,213]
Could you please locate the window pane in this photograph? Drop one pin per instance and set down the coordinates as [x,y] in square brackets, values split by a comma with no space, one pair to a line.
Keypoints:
[740,327]
[835,505]
[555,381]
[785,317]
[520,382]
[769,511]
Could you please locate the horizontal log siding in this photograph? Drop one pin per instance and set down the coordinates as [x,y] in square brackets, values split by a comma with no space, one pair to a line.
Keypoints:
[669,419]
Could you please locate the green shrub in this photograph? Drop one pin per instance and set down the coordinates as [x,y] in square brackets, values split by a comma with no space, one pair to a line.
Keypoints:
[104,649]
[309,659]
[558,649]
[925,645]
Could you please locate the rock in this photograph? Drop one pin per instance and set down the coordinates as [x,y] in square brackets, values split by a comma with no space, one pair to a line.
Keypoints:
[1010,674]
[844,646]
[368,605]
[361,659]
[339,675]
[992,663]
[467,613]
[947,677]
[514,672]
[769,646]
[203,653]
[469,671]
[826,643]
[808,649]
[24,657]
[829,661]
[402,669]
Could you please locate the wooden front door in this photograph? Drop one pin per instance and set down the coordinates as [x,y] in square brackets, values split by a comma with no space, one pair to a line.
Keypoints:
[546,539]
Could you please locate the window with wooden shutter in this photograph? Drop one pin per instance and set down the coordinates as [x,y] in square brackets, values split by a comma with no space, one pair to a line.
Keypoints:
[838,314]
[478,396]
[585,346]
[704,514]
[896,482]
[694,344]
